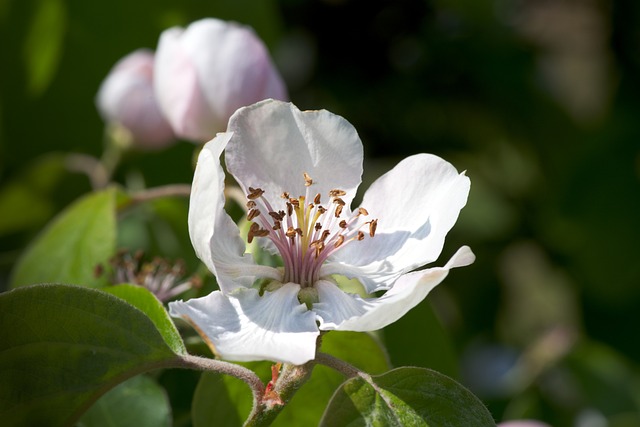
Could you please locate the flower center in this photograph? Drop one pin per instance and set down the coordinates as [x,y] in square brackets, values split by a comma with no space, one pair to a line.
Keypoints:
[304,231]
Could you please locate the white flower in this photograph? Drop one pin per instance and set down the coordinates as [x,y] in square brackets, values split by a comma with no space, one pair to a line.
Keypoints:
[126,98]
[300,171]
[207,71]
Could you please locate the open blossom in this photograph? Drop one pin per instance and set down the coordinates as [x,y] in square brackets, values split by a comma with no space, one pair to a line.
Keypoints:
[207,71]
[126,98]
[300,172]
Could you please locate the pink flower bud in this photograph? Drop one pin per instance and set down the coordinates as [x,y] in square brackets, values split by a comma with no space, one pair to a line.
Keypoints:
[126,98]
[205,72]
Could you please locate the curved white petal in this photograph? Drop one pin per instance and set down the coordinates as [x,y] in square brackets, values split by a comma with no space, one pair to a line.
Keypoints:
[274,143]
[416,204]
[338,310]
[178,89]
[246,327]
[215,237]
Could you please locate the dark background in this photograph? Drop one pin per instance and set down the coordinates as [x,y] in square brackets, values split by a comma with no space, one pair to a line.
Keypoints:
[537,100]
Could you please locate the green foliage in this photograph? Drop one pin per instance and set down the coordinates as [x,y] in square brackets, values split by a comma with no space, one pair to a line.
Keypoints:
[406,396]
[78,240]
[62,346]
[44,44]
[146,302]
[226,401]
[137,402]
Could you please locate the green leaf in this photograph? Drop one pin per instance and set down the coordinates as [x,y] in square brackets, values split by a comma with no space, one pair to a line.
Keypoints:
[73,244]
[44,43]
[137,402]
[146,302]
[61,347]
[227,401]
[406,396]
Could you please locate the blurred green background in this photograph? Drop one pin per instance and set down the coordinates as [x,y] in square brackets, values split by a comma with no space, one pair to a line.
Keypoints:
[538,100]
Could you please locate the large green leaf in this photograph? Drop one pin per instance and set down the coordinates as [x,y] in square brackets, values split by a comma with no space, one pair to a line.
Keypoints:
[137,402]
[73,244]
[146,302]
[226,401]
[62,346]
[403,397]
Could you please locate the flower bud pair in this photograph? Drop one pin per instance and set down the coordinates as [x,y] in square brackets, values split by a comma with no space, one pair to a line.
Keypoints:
[199,77]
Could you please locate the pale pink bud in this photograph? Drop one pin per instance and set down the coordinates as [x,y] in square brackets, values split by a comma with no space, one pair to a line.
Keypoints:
[126,98]
[205,72]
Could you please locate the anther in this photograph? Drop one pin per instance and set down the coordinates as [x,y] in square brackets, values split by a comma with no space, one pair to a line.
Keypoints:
[324,235]
[290,233]
[360,235]
[338,211]
[295,202]
[316,200]
[339,242]
[318,226]
[278,216]
[363,211]
[337,193]
[307,180]
[285,195]
[251,204]
[343,224]
[252,214]
[372,227]
[339,201]
[254,193]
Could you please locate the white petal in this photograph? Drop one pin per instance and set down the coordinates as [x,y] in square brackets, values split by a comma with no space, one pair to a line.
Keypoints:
[274,143]
[338,310]
[246,327]
[179,90]
[416,204]
[215,237]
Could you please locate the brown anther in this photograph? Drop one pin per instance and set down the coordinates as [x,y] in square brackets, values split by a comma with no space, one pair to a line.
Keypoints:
[316,200]
[360,235]
[285,195]
[337,193]
[251,204]
[256,231]
[318,226]
[324,235]
[276,225]
[339,242]
[363,211]
[343,224]
[372,227]
[299,231]
[295,202]
[278,216]
[307,180]
[289,209]
[290,233]
[338,211]
[254,193]
[318,246]
[252,214]
[321,210]
[339,201]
